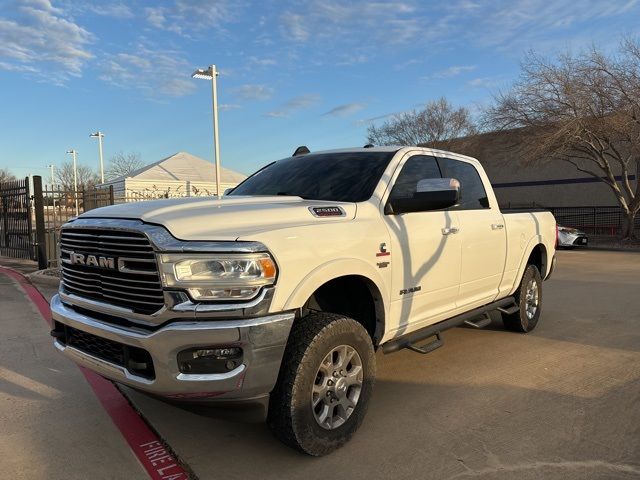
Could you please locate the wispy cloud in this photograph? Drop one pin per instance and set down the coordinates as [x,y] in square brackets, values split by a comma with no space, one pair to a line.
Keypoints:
[186,17]
[510,24]
[262,62]
[367,121]
[296,26]
[253,92]
[225,107]
[407,63]
[115,10]
[348,60]
[37,33]
[296,103]
[155,72]
[485,82]
[365,29]
[331,20]
[449,72]
[345,110]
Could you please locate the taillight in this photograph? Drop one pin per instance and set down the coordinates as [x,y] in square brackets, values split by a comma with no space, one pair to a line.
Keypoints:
[556,235]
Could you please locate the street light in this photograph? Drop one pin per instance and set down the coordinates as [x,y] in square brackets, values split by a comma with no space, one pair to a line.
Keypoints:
[99,135]
[53,178]
[211,74]
[73,154]
[53,193]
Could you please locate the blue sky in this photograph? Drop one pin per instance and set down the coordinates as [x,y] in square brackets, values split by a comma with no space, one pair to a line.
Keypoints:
[314,72]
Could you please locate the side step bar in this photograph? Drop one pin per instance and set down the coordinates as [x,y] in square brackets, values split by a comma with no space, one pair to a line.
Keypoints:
[483,322]
[409,340]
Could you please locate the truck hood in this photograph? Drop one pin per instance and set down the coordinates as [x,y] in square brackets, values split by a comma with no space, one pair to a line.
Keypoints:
[227,218]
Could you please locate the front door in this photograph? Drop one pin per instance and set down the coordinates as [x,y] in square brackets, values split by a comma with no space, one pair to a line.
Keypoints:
[424,253]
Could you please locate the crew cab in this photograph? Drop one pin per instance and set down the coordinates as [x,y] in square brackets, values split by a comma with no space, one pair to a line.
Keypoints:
[278,294]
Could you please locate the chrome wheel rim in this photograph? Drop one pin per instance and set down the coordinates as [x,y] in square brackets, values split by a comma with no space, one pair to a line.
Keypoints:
[531,299]
[337,387]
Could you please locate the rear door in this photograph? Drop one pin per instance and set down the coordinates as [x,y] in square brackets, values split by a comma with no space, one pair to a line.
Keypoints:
[424,258]
[482,234]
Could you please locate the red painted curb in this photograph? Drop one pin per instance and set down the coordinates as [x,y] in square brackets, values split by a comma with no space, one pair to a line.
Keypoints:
[158,462]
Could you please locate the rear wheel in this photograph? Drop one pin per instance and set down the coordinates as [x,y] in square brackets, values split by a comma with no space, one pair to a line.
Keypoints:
[324,385]
[529,300]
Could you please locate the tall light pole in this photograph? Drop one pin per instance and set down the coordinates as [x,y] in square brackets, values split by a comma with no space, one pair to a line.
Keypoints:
[211,74]
[99,135]
[73,154]
[53,178]
[53,193]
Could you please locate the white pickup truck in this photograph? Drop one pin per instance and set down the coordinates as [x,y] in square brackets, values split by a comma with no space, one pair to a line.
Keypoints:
[278,294]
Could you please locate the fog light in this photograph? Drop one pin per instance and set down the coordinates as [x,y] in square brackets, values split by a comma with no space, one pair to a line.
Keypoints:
[203,360]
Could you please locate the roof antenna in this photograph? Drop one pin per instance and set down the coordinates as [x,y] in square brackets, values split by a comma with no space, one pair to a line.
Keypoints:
[301,150]
[368,145]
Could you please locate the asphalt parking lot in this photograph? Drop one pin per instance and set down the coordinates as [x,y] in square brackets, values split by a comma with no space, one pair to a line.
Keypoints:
[558,403]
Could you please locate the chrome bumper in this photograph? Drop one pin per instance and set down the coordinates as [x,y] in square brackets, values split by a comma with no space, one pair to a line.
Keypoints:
[262,339]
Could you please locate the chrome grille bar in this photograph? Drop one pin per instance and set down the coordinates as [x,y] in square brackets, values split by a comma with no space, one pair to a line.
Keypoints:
[134,283]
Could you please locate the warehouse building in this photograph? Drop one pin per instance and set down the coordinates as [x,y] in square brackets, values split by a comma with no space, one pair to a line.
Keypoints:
[544,183]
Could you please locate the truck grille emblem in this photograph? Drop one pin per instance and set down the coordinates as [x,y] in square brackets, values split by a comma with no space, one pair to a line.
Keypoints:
[92,260]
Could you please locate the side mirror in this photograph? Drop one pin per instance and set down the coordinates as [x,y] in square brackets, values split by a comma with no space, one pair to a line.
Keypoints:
[430,194]
[227,191]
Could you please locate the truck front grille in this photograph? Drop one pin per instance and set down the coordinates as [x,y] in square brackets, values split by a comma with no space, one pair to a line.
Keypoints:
[111,266]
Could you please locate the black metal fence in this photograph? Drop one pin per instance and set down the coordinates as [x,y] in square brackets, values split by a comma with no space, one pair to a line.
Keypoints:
[15,220]
[606,221]
[60,205]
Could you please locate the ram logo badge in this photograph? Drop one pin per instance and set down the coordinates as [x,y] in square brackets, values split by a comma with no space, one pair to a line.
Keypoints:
[92,260]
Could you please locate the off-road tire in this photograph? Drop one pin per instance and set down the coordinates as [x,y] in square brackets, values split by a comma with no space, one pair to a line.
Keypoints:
[291,417]
[520,321]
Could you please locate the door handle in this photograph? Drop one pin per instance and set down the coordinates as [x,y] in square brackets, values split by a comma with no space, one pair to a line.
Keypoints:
[497,226]
[450,230]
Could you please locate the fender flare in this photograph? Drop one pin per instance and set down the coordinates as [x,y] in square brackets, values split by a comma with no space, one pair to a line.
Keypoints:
[533,243]
[334,269]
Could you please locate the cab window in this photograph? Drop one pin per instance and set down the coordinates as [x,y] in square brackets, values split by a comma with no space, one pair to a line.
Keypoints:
[415,169]
[472,193]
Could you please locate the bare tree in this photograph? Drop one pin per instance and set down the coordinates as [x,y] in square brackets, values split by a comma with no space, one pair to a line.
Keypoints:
[438,122]
[87,177]
[122,165]
[6,175]
[583,109]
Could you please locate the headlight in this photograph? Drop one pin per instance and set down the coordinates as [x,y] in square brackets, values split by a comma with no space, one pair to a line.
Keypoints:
[219,277]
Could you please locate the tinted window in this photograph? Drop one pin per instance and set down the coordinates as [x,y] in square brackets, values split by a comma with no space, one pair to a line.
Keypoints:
[415,169]
[472,193]
[346,177]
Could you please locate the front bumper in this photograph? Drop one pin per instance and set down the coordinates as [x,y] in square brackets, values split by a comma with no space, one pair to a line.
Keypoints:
[572,240]
[263,340]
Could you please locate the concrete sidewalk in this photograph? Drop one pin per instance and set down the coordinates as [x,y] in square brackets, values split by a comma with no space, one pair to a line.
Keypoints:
[52,426]
[21,265]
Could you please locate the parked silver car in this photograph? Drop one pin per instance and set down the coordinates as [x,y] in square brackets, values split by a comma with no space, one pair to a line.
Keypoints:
[571,237]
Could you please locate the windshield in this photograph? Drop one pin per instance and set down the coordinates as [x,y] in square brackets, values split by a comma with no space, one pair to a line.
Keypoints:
[340,177]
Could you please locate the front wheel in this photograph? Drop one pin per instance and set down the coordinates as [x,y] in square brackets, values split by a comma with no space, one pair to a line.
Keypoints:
[324,385]
[529,300]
